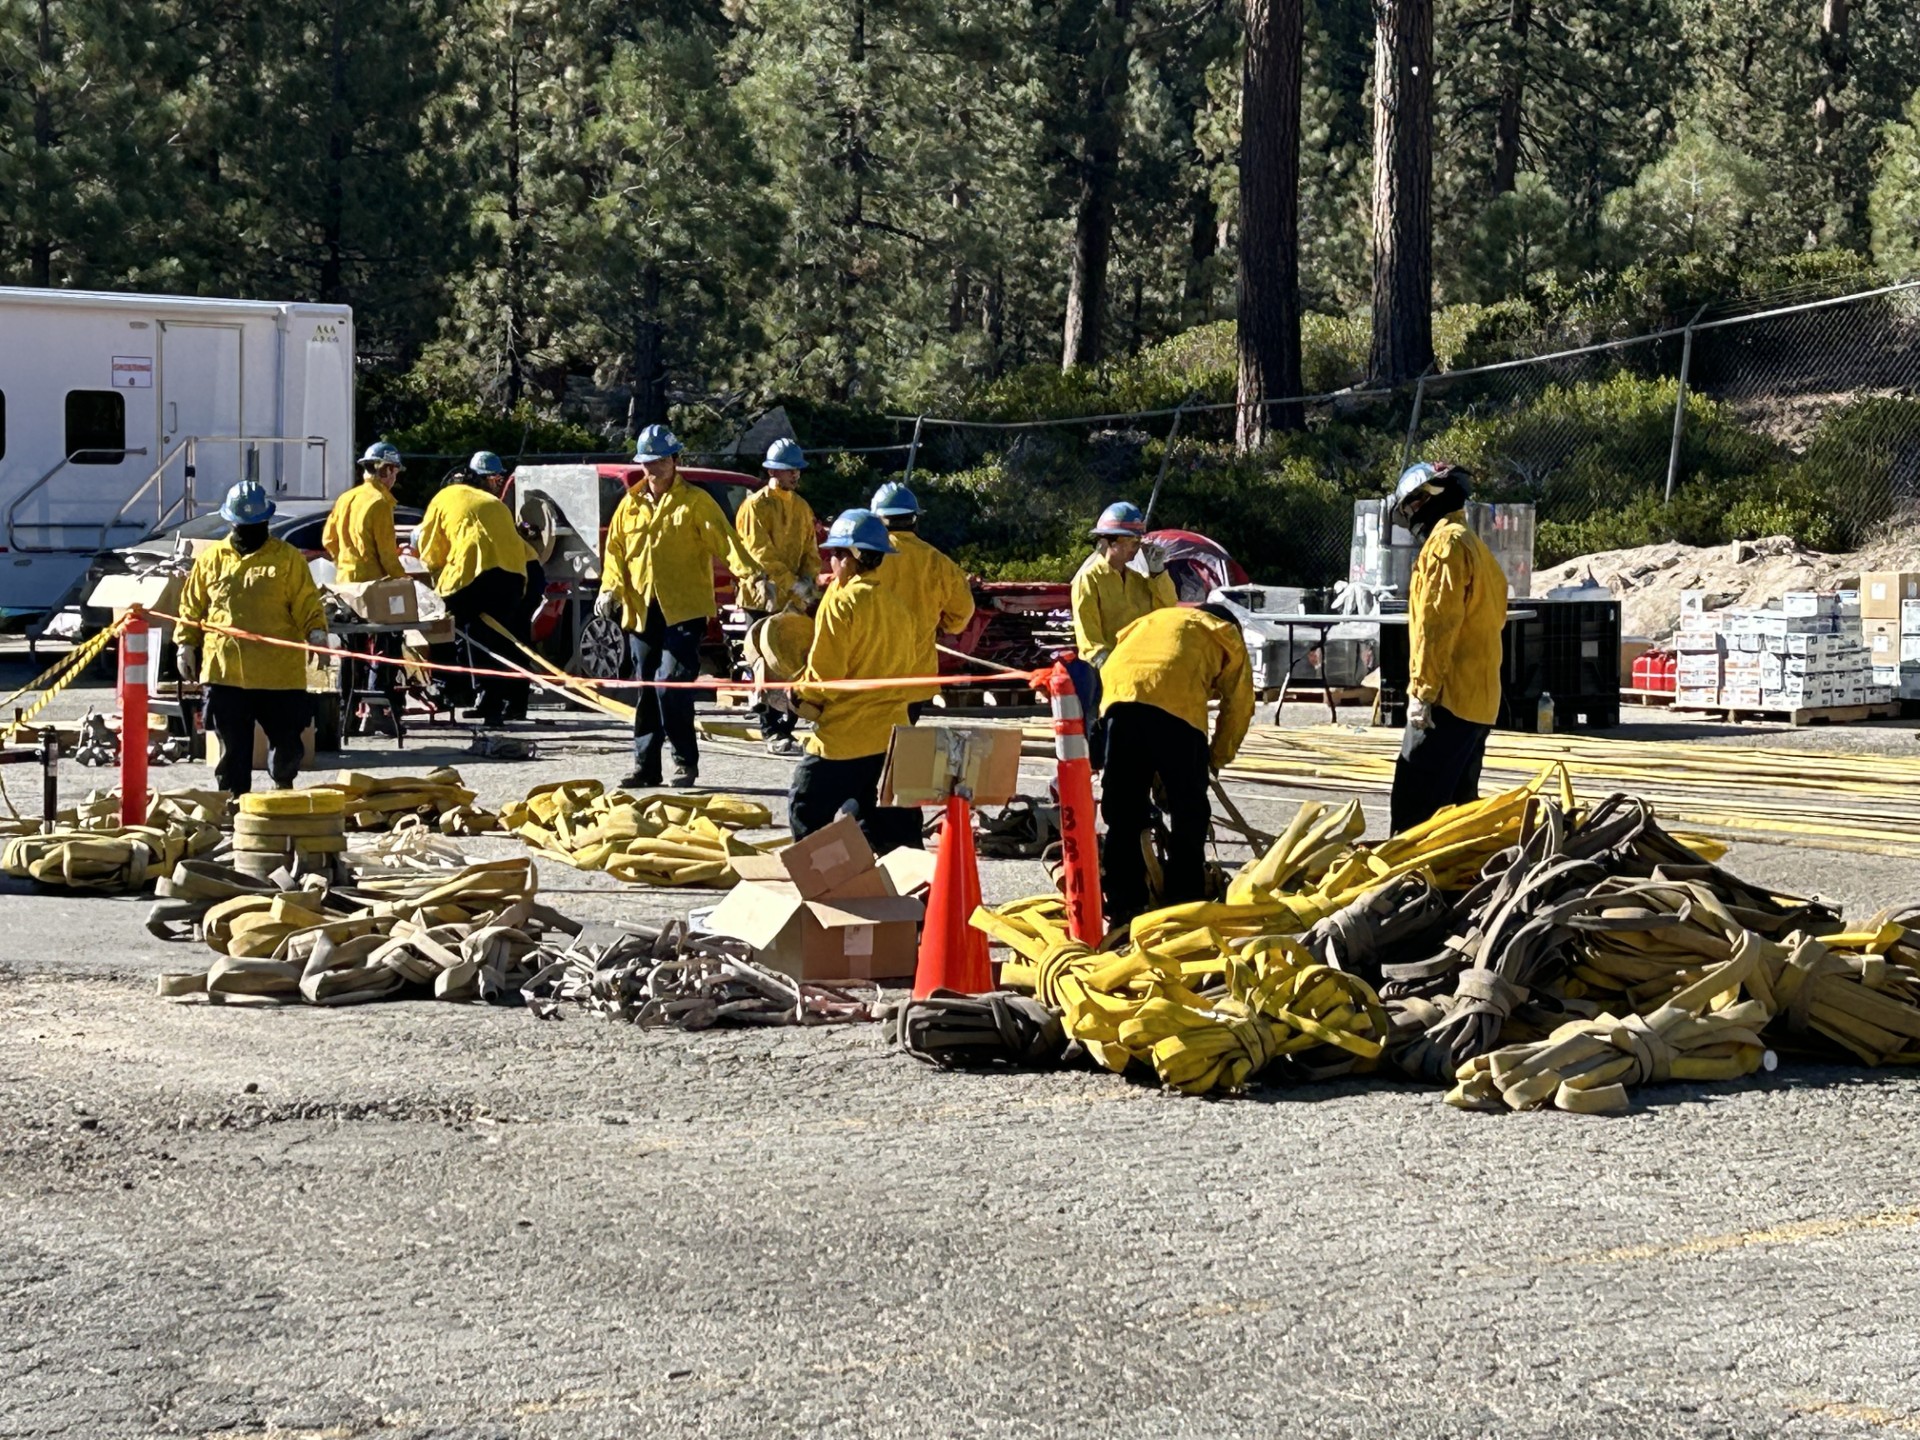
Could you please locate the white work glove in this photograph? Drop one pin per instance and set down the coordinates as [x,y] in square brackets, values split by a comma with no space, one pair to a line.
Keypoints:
[319,639]
[186,659]
[1419,713]
[607,607]
[1153,558]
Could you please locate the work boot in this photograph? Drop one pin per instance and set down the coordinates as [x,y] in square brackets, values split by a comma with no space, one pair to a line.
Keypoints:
[783,745]
[685,777]
[635,780]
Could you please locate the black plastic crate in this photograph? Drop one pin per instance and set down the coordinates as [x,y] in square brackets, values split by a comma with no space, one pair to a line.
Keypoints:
[1569,649]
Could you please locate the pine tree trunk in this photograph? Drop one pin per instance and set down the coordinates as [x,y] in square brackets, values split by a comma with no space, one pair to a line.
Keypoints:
[1269,292]
[1098,177]
[1402,186]
[40,248]
[648,404]
[1203,243]
[332,287]
[1836,18]
[516,242]
[1513,70]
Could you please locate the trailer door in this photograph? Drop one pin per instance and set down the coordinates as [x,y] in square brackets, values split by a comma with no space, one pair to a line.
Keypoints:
[200,384]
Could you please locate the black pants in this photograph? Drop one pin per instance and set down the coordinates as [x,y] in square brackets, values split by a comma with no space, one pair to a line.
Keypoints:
[1145,743]
[231,713]
[774,723]
[1086,688]
[1437,768]
[665,652]
[822,788]
[500,594]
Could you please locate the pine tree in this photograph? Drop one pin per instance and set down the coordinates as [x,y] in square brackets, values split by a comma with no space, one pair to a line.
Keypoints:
[658,272]
[86,106]
[1269,314]
[1402,190]
[321,171]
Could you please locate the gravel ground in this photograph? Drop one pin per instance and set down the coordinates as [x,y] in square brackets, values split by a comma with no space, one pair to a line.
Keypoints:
[416,1220]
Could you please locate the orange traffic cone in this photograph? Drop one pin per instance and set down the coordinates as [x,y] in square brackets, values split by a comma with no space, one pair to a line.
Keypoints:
[953,955]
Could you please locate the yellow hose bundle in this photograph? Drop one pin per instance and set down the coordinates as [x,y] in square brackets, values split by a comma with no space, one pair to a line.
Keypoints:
[1708,1031]
[658,840]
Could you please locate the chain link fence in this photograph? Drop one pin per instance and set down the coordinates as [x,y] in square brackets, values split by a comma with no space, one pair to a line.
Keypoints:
[1801,419]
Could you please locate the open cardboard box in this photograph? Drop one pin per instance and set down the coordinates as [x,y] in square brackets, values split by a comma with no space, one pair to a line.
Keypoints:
[824,909]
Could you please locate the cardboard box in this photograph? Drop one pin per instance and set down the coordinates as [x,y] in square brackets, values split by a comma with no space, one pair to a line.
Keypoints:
[1702,695]
[1695,642]
[1882,591]
[1849,603]
[1696,622]
[1809,602]
[440,632]
[1697,671]
[381,602]
[1910,617]
[1746,696]
[928,763]
[1693,602]
[1774,623]
[1883,641]
[823,909]
[215,750]
[120,593]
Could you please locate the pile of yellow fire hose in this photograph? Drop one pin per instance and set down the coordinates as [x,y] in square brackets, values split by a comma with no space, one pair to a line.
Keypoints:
[1584,951]
[685,839]
[91,850]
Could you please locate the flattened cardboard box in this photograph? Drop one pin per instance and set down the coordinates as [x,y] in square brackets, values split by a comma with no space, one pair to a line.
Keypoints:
[822,909]
[925,764]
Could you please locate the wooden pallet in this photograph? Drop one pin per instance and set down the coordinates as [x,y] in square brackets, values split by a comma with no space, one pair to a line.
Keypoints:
[1002,699]
[1646,697]
[1318,695]
[1805,715]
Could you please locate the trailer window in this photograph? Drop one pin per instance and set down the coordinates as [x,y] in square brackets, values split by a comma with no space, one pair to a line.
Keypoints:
[96,427]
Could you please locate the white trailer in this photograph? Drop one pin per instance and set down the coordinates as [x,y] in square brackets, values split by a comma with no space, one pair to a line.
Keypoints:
[123,415]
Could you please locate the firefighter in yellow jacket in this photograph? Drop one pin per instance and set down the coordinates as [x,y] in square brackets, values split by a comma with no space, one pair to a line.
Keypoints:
[250,582]
[469,542]
[1109,594]
[657,580]
[1456,611]
[1161,674]
[927,582]
[361,541]
[359,536]
[778,530]
[861,632]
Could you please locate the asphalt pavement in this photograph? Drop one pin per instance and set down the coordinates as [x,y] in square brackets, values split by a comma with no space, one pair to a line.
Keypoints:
[425,1220]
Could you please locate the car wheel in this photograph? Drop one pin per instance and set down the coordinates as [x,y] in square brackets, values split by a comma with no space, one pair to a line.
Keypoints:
[603,650]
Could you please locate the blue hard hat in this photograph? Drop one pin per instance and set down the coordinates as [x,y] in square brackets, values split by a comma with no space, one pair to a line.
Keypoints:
[893,498]
[247,504]
[656,442]
[485,462]
[785,455]
[1121,520]
[858,530]
[381,453]
[1425,478]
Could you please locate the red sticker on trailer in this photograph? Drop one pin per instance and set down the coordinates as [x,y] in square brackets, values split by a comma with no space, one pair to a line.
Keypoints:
[133,372]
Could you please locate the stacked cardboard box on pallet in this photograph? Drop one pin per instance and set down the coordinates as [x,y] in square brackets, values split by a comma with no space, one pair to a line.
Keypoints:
[1805,651]
[1890,621]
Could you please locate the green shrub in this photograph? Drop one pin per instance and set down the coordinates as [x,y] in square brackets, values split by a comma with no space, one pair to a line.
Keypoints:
[1861,464]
